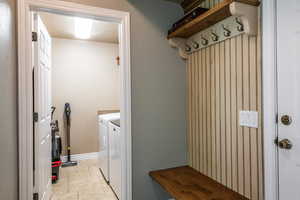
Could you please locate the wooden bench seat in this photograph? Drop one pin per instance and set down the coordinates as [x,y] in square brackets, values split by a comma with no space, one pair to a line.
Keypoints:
[185,183]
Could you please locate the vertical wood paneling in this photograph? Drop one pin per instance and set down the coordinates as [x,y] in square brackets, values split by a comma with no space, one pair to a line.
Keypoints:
[253,106]
[197,111]
[189,106]
[200,61]
[191,111]
[259,108]
[204,143]
[228,112]
[194,114]
[224,79]
[240,132]
[208,111]
[234,114]
[223,114]
[213,114]
[246,103]
[218,114]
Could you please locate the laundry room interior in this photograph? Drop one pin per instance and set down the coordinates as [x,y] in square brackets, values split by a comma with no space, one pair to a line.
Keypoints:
[85,91]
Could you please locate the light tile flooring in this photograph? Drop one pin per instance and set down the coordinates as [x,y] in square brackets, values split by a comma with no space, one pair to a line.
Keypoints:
[82,182]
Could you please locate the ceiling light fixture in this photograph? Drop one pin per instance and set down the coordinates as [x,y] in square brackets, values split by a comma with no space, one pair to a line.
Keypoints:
[83,28]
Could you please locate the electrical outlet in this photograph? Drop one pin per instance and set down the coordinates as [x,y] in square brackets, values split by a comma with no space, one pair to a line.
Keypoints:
[249,118]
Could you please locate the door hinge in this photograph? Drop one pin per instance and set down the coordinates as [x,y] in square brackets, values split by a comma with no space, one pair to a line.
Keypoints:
[35,117]
[35,196]
[34,37]
[276,141]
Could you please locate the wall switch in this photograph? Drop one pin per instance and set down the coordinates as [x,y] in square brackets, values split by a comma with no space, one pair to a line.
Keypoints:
[249,119]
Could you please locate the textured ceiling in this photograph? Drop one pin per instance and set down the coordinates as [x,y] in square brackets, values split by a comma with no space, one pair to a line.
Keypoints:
[62,26]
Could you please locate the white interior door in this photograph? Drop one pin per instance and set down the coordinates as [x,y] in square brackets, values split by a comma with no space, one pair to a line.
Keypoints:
[288,49]
[42,106]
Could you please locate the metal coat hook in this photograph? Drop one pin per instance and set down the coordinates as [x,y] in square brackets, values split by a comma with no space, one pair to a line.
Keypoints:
[204,41]
[227,32]
[221,31]
[240,26]
[195,45]
[188,48]
[214,36]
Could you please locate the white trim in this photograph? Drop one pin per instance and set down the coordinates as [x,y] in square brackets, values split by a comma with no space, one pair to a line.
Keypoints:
[25,84]
[83,156]
[269,99]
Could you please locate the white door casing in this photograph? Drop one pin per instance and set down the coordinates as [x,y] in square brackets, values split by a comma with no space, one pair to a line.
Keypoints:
[25,63]
[42,106]
[288,75]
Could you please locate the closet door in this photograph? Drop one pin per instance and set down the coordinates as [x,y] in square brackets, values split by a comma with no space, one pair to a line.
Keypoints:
[42,109]
[288,49]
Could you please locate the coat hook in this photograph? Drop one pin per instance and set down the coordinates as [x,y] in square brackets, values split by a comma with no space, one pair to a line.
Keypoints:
[195,45]
[214,36]
[204,41]
[240,26]
[188,48]
[227,32]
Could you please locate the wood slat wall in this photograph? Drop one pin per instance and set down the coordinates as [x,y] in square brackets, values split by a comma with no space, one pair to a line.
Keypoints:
[222,80]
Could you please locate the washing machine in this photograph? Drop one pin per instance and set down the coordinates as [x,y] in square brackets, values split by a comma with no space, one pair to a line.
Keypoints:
[115,157]
[103,160]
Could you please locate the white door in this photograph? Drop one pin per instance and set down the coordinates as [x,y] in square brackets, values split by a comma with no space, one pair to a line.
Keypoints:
[42,106]
[288,49]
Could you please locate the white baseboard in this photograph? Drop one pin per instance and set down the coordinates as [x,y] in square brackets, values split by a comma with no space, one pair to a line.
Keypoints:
[84,156]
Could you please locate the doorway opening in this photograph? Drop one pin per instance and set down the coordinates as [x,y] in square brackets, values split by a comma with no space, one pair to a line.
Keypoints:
[74,77]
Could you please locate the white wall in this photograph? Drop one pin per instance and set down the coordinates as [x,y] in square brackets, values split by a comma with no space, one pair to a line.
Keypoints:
[86,75]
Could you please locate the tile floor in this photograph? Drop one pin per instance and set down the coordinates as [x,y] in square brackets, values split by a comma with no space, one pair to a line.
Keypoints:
[82,182]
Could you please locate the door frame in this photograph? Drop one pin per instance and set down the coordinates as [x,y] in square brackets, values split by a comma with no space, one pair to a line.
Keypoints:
[270,108]
[25,99]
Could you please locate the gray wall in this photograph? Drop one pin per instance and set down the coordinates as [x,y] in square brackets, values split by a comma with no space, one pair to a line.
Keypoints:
[158,97]
[158,92]
[8,103]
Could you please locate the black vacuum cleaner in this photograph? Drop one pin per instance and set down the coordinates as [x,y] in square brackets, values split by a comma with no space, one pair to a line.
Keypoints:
[67,114]
[56,147]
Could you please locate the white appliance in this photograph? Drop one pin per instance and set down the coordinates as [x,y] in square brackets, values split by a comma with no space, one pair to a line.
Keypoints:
[103,121]
[115,168]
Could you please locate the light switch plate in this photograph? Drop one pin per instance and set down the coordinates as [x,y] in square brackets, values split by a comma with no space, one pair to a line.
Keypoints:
[249,118]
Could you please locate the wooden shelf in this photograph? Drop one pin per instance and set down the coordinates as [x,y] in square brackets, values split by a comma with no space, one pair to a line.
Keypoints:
[185,183]
[218,13]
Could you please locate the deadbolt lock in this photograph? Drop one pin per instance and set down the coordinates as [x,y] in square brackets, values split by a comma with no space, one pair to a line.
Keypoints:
[286,120]
[285,144]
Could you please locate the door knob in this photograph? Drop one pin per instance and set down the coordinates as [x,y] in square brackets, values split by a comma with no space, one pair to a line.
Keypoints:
[286,120]
[285,144]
